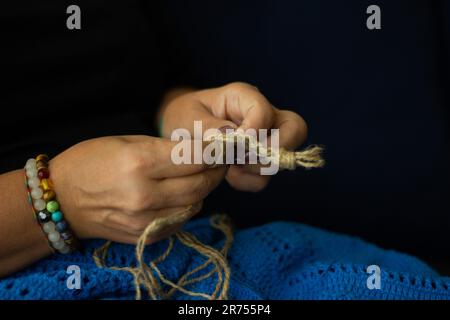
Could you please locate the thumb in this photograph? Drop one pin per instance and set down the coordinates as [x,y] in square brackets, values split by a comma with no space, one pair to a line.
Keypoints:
[210,123]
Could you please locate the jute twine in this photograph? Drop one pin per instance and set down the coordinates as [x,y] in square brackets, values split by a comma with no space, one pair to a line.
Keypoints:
[149,277]
[310,157]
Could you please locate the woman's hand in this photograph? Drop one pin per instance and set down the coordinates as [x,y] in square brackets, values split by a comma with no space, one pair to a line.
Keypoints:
[235,105]
[113,187]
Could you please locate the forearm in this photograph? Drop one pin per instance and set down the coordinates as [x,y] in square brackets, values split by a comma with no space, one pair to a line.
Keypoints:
[21,239]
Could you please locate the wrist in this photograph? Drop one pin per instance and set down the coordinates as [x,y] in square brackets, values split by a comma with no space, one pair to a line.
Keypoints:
[64,190]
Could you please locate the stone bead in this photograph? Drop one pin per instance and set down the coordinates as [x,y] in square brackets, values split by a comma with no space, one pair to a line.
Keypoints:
[31,162]
[36,193]
[54,236]
[34,182]
[41,164]
[48,195]
[69,241]
[48,227]
[30,166]
[43,173]
[52,206]
[61,226]
[58,245]
[45,184]
[43,216]
[66,235]
[42,157]
[56,216]
[64,250]
[31,173]
[39,204]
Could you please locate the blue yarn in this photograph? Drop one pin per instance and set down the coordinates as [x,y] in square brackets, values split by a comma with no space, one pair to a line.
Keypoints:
[275,261]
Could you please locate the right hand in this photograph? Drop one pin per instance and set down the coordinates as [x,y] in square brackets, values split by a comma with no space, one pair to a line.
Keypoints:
[113,187]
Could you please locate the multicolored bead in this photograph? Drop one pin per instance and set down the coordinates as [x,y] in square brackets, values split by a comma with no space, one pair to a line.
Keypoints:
[39,204]
[30,162]
[48,227]
[54,236]
[69,241]
[43,216]
[31,173]
[43,173]
[48,195]
[61,226]
[56,216]
[42,157]
[52,206]
[34,182]
[36,193]
[58,245]
[66,235]
[45,184]
[46,208]
[64,250]
[41,165]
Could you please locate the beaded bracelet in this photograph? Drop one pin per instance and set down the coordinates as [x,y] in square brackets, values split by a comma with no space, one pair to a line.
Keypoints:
[45,207]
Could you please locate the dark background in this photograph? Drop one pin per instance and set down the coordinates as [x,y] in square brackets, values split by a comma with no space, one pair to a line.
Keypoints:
[377,100]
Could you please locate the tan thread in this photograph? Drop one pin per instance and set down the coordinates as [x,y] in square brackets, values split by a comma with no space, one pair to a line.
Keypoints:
[149,277]
[310,157]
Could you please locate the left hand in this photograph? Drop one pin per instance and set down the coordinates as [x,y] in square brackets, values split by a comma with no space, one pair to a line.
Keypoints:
[235,105]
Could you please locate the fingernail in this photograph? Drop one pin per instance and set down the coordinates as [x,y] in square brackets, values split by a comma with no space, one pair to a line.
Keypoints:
[225,128]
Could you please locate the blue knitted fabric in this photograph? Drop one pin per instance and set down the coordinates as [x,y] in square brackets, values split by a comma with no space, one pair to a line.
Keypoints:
[275,261]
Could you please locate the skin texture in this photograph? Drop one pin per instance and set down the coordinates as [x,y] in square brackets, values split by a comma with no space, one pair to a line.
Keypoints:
[113,187]
[235,105]
[21,240]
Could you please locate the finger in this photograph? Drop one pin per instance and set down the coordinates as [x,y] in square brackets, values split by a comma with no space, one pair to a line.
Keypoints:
[162,158]
[200,113]
[247,104]
[243,181]
[292,133]
[241,103]
[254,169]
[182,191]
[292,129]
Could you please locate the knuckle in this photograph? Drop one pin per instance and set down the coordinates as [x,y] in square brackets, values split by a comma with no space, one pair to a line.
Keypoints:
[239,86]
[132,159]
[140,201]
[268,115]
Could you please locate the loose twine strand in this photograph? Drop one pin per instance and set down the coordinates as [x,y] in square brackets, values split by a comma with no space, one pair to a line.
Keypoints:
[148,275]
[310,157]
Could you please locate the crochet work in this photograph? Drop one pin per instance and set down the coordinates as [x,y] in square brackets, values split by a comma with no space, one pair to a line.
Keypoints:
[275,261]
